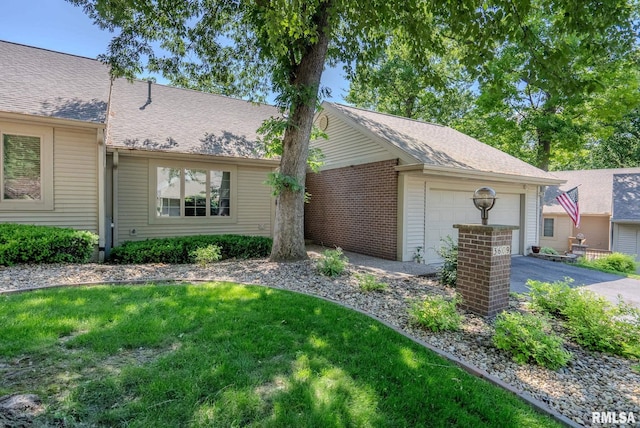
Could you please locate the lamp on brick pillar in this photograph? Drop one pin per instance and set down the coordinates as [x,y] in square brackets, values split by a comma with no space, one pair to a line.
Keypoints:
[484,198]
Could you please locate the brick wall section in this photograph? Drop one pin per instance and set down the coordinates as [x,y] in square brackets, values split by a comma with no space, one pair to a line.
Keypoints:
[355,208]
[484,277]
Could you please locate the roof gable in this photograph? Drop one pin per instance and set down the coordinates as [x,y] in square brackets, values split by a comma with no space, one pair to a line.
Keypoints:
[626,197]
[179,120]
[51,84]
[437,146]
[595,192]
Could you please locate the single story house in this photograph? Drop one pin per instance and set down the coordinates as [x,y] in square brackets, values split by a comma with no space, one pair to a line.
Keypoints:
[392,187]
[127,161]
[136,160]
[598,195]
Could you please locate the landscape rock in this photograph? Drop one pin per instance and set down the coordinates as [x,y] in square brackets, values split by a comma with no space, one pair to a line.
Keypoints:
[592,382]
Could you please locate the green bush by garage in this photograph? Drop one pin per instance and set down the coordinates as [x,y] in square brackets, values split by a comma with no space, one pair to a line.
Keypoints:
[181,250]
[24,243]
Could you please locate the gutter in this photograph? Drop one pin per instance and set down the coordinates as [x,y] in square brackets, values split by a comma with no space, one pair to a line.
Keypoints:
[102,164]
[442,171]
[114,198]
[625,221]
[196,157]
[49,120]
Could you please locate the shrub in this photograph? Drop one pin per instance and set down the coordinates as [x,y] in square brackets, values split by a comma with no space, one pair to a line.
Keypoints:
[615,262]
[528,338]
[550,297]
[592,321]
[20,243]
[547,250]
[180,250]
[369,282]
[596,324]
[205,255]
[332,262]
[436,313]
[448,273]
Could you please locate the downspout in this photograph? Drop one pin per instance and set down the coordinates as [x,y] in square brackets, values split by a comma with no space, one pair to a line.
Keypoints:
[114,203]
[114,180]
[102,163]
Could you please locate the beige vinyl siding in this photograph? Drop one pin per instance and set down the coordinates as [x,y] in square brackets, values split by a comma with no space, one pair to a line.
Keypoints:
[254,201]
[348,146]
[75,189]
[531,232]
[596,229]
[415,217]
[433,205]
[626,239]
[253,205]
[132,216]
[562,230]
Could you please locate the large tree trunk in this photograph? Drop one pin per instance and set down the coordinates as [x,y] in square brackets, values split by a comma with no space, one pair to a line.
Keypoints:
[543,150]
[288,235]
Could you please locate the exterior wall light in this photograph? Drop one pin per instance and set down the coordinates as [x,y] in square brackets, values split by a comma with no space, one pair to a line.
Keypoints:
[484,198]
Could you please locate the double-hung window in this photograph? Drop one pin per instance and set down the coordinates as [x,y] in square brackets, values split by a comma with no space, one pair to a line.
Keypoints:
[26,167]
[547,230]
[194,192]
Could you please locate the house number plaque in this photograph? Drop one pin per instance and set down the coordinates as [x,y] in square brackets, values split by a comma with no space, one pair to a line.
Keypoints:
[502,250]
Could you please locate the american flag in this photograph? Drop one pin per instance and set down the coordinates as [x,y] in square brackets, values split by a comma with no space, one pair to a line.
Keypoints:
[569,201]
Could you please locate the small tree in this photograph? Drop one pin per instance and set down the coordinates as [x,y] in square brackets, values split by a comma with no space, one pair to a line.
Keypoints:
[449,252]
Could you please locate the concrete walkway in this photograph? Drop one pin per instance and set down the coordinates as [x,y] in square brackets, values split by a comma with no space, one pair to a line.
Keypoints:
[390,268]
[522,269]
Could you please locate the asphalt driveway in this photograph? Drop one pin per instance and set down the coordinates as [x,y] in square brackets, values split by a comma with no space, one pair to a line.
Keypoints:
[605,284]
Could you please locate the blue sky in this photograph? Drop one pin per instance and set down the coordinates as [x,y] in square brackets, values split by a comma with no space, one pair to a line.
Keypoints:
[59,26]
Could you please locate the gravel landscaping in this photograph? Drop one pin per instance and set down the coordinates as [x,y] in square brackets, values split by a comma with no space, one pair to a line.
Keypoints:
[593,382]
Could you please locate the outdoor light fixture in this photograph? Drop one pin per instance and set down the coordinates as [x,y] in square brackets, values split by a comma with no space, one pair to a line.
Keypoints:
[483,199]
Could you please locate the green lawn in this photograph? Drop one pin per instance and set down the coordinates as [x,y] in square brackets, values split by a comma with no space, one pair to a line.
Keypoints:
[222,354]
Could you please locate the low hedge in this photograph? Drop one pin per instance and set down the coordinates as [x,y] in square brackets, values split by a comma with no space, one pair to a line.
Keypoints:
[181,249]
[614,262]
[24,243]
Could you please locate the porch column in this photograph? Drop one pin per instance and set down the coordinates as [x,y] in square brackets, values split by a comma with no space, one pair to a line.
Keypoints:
[484,267]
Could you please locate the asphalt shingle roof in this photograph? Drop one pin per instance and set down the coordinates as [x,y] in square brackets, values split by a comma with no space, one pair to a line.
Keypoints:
[626,197]
[184,121]
[440,146]
[595,191]
[45,83]
[40,82]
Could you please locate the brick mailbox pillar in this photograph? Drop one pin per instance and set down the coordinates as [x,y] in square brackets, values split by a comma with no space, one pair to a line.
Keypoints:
[484,267]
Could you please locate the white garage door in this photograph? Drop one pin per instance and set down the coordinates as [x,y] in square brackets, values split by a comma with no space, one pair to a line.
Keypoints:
[444,208]
[628,240]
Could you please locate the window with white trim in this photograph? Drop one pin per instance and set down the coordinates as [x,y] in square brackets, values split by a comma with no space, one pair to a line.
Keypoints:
[21,166]
[26,167]
[193,192]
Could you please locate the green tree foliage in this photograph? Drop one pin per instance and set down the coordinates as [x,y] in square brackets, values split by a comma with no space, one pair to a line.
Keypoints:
[553,87]
[562,78]
[440,92]
[250,48]
[620,150]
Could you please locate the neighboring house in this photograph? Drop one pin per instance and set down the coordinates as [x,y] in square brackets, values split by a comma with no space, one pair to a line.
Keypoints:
[391,185]
[127,161]
[597,199]
[626,214]
[53,110]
